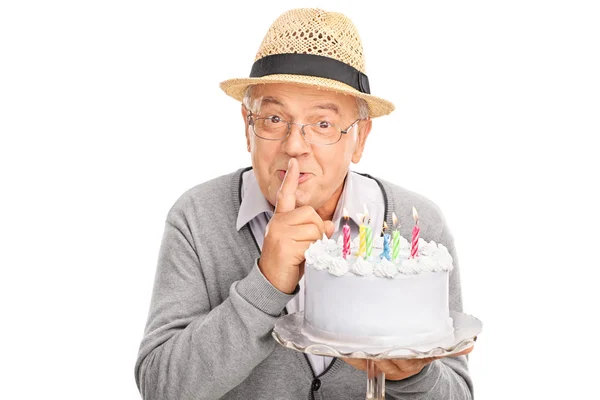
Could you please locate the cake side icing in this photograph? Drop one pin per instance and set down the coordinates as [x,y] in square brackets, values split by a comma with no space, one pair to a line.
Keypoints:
[403,311]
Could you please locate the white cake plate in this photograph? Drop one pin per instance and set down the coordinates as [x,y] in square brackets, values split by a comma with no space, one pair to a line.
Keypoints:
[289,333]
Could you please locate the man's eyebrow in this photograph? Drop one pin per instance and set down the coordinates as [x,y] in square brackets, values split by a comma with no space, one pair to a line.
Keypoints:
[328,106]
[271,100]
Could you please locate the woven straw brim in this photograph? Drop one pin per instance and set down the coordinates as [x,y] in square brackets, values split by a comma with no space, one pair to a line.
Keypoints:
[236,88]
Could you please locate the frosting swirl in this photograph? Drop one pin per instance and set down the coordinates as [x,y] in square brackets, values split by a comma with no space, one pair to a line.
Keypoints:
[386,269]
[410,266]
[338,266]
[362,267]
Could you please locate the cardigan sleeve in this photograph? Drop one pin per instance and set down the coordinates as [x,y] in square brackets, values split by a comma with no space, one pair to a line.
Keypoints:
[190,351]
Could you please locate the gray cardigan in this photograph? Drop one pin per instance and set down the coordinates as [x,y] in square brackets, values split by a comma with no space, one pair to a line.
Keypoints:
[208,333]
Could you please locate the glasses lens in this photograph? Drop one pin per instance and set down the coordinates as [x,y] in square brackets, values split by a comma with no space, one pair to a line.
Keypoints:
[273,128]
[322,133]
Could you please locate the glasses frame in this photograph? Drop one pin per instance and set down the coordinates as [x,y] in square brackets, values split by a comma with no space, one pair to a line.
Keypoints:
[251,118]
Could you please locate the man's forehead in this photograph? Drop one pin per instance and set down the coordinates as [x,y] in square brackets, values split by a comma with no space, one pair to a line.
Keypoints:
[285,96]
[319,104]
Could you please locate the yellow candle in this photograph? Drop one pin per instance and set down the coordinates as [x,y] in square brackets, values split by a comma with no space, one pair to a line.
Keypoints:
[363,240]
[363,232]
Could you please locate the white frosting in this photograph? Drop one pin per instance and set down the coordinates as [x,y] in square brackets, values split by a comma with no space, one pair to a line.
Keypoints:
[322,261]
[409,266]
[405,310]
[331,246]
[338,266]
[362,267]
[429,264]
[312,252]
[426,249]
[386,269]
[326,254]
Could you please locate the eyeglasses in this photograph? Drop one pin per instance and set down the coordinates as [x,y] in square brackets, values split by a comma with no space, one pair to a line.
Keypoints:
[276,128]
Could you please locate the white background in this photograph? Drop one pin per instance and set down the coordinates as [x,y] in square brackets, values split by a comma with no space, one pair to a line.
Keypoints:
[110,110]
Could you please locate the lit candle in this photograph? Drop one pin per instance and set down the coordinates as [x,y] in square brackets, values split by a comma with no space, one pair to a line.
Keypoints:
[395,238]
[365,235]
[368,234]
[415,235]
[362,235]
[386,243]
[346,249]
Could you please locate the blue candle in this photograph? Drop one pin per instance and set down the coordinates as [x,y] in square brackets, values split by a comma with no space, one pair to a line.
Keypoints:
[386,243]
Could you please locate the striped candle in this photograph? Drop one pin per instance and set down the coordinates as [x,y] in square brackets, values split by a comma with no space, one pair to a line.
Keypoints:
[362,248]
[395,238]
[369,234]
[346,248]
[386,243]
[365,234]
[414,251]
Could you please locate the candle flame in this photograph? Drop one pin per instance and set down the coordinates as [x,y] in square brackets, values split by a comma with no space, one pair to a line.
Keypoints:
[394,219]
[415,215]
[365,217]
[385,226]
[346,213]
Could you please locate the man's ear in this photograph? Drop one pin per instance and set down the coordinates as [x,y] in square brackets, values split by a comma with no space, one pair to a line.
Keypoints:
[246,127]
[364,128]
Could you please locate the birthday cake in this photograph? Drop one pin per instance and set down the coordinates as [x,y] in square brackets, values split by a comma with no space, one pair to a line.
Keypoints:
[376,299]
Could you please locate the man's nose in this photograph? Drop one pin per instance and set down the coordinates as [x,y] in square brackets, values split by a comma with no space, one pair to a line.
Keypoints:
[294,144]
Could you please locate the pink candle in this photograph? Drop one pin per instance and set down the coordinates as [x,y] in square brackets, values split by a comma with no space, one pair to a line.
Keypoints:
[415,235]
[346,249]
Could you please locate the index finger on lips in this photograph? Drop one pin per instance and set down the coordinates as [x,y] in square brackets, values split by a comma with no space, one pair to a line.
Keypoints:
[286,195]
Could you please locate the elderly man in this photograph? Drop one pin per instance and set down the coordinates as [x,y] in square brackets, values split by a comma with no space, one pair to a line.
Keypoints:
[232,255]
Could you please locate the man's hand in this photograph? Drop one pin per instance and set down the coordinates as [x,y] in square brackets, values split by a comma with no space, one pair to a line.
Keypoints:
[398,369]
[289,233]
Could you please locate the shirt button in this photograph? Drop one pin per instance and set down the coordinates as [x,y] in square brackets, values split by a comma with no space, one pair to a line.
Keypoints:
[316,384]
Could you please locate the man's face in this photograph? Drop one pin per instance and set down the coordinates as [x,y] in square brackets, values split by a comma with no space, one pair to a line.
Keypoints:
[322,168]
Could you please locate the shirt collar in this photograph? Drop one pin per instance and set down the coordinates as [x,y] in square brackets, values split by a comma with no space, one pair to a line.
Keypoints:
[253,201]
[348,200]
[356,194]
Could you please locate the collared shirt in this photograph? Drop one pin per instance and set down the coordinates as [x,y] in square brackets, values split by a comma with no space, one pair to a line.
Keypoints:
[359,191]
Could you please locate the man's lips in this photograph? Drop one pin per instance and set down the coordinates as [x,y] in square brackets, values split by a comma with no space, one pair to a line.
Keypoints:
[304,176]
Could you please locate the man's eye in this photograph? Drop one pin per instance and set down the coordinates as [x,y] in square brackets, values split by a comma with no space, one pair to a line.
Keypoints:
[274,119]
[324,124]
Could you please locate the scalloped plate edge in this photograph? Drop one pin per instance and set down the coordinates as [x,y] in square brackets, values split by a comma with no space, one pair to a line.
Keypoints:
[397,352]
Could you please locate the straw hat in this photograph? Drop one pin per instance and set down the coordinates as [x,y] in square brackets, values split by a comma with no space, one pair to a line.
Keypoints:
[313,47]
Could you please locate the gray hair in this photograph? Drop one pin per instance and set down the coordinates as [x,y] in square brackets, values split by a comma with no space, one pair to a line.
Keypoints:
[254,104]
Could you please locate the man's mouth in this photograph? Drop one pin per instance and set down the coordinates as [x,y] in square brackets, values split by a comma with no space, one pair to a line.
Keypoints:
[304,176]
